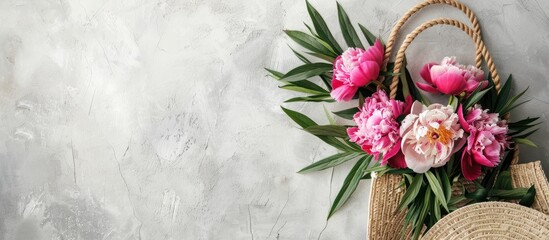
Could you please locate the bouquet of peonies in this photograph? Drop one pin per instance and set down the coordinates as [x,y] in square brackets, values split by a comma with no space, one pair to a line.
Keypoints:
[448,155]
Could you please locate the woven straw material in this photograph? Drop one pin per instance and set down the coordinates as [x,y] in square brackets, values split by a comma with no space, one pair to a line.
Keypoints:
[491,220]
[528,174]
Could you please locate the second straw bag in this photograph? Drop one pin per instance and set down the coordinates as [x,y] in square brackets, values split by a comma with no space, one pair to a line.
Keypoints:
[384,221]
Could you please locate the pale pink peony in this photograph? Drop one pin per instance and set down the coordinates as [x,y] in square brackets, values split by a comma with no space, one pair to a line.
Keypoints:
[377,128]
[430,135]
[355,68]
[486,143]
[451,78]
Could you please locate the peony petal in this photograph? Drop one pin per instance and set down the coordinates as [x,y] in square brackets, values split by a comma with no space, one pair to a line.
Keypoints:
[427,87]
[351,132]
[344,93]
[397,161]
[451,83]
[436,71]
[364,73]
[415,161]
[469,170]
[373,54]
[426,72]
[481,159]
[462,121]
[391,153]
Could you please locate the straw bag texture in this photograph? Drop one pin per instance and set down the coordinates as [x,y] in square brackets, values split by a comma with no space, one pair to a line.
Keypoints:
[386,191]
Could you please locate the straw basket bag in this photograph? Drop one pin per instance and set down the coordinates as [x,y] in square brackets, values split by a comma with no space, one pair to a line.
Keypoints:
[386,223]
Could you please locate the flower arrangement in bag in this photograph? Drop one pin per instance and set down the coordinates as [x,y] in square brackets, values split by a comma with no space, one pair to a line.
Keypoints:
[467,143]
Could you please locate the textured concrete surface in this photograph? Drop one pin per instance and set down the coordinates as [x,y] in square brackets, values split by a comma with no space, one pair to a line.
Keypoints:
[137,119]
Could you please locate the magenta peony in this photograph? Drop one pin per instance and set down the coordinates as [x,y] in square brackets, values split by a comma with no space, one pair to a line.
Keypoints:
[451,78]
[486,142]
[430,135]
[377,130]
[355,68]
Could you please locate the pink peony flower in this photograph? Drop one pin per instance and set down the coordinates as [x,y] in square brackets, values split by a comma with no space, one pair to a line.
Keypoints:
[451,78]
[486,142]
[355,68]
[430,135]
[377,129]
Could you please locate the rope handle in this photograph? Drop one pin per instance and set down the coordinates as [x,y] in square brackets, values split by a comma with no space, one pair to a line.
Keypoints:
[394,32]
[442,21]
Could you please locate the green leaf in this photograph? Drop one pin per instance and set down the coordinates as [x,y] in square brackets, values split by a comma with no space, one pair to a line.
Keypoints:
[306,71]
[516,193]
[525,135]
[503,181]
[528,198]
[350,184]
[299,118]
[274,74]
[304,86]
[347,113]
[322,56]
[347,29]
[455,200]
[328,130]
[329,116]
[504,94]
[312,43]
[411,192]
[300,56]
[453,101]
[313,98]
[436,188]
[306,122]
[309,85]
[509,105]
[330,161]
[369,36]
[525,142]
[475,97]
[322,29]
[446,185]
[478,195]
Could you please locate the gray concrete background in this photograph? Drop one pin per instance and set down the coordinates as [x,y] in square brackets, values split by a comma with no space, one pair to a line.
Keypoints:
[137,119]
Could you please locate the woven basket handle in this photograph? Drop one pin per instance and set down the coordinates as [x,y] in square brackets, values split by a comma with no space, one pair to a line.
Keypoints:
[443,21]
[396,29]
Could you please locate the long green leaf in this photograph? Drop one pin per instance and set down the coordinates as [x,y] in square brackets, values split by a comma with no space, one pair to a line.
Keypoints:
[299,118]
[350,184]
[349,33]
[510,104]
[368,35]
[313,98]
[528,198]
[504,94]
[347,113]
[306,122]
[328,130]
[516,193]
[322,29]
[436,188]
[475,97]
[312,43]
[275,74]
[306,71]
[300,56]
[503,181]
[525,141]
[411,192]
[330,161]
